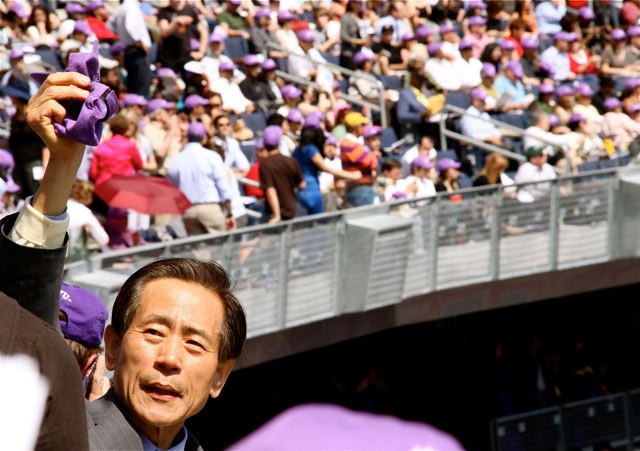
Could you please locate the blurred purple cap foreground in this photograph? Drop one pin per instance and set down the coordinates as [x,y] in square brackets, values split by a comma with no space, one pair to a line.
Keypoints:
[327,427]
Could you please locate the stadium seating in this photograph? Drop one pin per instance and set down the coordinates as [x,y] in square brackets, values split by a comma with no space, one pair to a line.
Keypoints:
[236,48]
[388,137]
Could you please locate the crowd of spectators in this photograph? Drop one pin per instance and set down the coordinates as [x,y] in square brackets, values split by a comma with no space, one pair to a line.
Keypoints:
[216,97]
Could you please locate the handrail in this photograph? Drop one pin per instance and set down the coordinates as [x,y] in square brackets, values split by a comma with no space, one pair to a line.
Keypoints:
[381,107]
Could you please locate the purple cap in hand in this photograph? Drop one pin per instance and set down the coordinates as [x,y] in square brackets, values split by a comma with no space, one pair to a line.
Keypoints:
[85,313]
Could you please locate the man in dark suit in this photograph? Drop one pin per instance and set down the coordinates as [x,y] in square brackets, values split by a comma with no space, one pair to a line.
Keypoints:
[176,328]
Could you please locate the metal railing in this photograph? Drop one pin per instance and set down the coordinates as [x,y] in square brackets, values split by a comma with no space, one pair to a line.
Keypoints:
[379,107]
[299,271]
[612,420]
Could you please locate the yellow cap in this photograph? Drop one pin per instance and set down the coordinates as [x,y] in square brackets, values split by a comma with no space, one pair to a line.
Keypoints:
[354,119]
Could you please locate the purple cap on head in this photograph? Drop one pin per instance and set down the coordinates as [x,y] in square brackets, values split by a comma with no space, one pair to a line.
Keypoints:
[262,12]
[295,116]
[306,36]
[235,2]
[631,83]
[314,120]
[16,54]
[530,43]
[423,32]
[584,90]
[371,130]
[94,4]
[633,31]
[117,47]
[75,8]
[290,92]
[195,100]
[577,117]
[166,72]
[285,15]
[477,4]
[611,103]
[260,144]
[83,27]
[572,37]
[269,64]
[330,139]
[20,11]
[447,163]
[516,68]
[159,104]
[361,57]
[553,120]
[272,136]
[11,186]
[635,108]
[546,88]
[433,48]
[465,44]
[507,44]
[561,36]
[216,38]
[408,37]
[196,130]
[479,94]
[251,60]
[6,160]
[85,313]
[618,35]
[447,28]
[488,70]
[226,66]
[133,99]
[421,162]
[477,20]
[565,90]
[586,13]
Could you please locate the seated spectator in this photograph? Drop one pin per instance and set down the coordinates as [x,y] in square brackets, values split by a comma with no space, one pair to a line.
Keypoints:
[211,63]
[448,175]
[388,54]
[539,135]
[557,58]
[581,63]
[176,21]
[592,146]
[606,90]
[516,33]
[303,67]
[327,32]
[492,54]
[371,135]
[280,176]
[292,97]
[473,123]
[441,70]
[631,93]
[164,133]
[392,20]
[424,148]
[450,41]
[510,84]
[249,86]
[493,172]
[488,78]
[548,15]
[233,101]
[478,34]
[350,40]
[420,182]
[583,105]
[40,29]
[232,21]
[285,34]
[530,61]
[564,103]
[393,183]
[535,169]
[356,158]
[467,66]
[268,87]
[508,52]
[117,155]
[617,126]
[617,59]
[291,130]
[545,100]
[262,34]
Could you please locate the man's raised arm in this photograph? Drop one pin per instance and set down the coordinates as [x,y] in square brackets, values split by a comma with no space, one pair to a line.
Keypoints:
[32,243]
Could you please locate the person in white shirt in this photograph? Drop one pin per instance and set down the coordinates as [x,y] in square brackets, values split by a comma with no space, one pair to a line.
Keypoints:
[467,66]
[450,41]
[538,134]
[475,124]
[420,182]
[210,64]
[424,148]
[440,70]
[536,169]
[232,98]
[302,67]
[233,156]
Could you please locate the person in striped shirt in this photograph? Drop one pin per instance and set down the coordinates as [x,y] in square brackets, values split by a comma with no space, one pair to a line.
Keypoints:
[355,157]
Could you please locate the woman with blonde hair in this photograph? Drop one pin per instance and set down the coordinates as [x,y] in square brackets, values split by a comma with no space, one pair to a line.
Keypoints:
[493,172]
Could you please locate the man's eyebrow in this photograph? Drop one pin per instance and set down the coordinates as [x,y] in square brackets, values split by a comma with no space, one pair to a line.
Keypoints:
[186,330]
[160,319]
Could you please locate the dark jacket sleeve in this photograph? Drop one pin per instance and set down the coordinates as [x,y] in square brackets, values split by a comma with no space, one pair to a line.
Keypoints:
[31,276]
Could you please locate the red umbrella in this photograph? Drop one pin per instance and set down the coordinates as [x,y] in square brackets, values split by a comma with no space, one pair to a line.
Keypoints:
[143,193]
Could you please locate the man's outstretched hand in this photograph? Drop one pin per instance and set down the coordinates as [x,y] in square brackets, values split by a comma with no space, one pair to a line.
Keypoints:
[44,109]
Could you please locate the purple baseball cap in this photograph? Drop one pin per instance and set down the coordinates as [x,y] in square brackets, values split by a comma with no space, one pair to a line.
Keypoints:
[19,10]
[16,54]
[117,47]
[447,163]
[633,31]
[6,160]
[408,37]
[314,120]
[465,44]
[516,68]
[631,83]
[295,116]
[477,20]
[133,99]
[553,120]
[423,32]
[565,90]
[196,130]
[577,117]
[94,4]
[372,130]
[260,144]
[166,72]
[507,44]
[285,15]
[235,2]
[82,26]
[611,103]
[546,88]
[85,313]
[11,186]
[251,60]
[488,70]
[477,4]
[584,90]
[269,64]
[290,92]
[447,28]
[561,36]
[272,136]
[159,104]
[226,66]
[634,108]
[530,43]
[262,12]
[216,38]
[306,36]
[573,36]
[361,57]
[433,48]
[75,8]
[586,13]
[195,100]
[421,162]
[479,93]
[618,35]
[330,139]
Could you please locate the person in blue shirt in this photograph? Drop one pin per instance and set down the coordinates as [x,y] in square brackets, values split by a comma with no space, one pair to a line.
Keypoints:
[311,161]
[556,57]
[549,14]
[510,83]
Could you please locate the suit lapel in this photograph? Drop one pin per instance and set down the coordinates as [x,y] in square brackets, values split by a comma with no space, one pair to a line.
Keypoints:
[108,428]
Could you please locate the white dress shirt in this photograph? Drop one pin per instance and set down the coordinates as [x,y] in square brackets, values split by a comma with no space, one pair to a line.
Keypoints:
[529,172]
[232,97]
[129,23]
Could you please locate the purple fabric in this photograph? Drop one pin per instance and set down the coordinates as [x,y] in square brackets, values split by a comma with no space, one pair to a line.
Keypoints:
[251,60]
[634,108]
[295,116]
[447,28]
[326,427]
[577,117]
[632,83]
[488,70]
[166,72]
[84,120]
[447,163]
[408,37]
[433,48]
[479,93]
[226,66]
[159,104]
[196,130]
[118,47]
[516,68]
[361,57]
[195,100]
[74,8]
[530,43]
[290,92]
[475,4]
[314,120]
[260,144]
[305,36]
[194,44]
[618,35]
[477,20]
[584,90]
[561,36]
[86,315]
[611,103]
[272,136]
[216,37]
[16,54]
[82,27]
[465,44]
[6,160]
[586,13]
[262,12]
[11,186]
[330,139]
[94,4]
[507,44]
[553,120]
[19,10]
[423,32]
[546,88]
[285,15]
[422,162]
[133,99]
[564,90]
[371,130]
[633,31]
[269,64]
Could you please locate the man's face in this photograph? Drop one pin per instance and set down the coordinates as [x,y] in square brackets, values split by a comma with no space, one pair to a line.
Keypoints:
[479,104]
[539,160]
[425,146]
[166,363]
[387,36]
[253,71]
[224,127]
[394,174]
[562,46]
[510,75]
[217,48]
[295,126]
[373,143]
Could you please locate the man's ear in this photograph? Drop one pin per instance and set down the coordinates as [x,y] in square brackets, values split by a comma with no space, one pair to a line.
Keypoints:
[112,347]
[219,379]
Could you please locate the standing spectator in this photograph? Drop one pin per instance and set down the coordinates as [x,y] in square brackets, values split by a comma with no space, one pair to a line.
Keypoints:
[350,40]
[475,122]
[232,21]
[233,157]
[478,35]
[200,174]
[557,59]
[178,22]
[129,23]
[535,169]
[280,176]
[549,14]
[355,157]
[420,182]
[395,20]
[117,155]
[164,133]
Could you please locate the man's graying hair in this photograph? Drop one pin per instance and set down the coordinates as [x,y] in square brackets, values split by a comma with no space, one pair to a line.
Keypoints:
[210,275]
